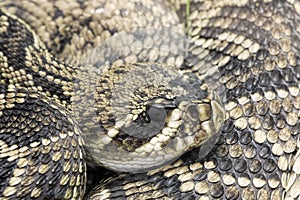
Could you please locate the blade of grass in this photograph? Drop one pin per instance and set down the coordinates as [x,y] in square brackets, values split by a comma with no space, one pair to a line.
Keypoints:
[187,12]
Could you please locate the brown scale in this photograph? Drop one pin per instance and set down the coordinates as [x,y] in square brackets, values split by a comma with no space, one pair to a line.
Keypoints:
[33,155]
[46,75]
[71,28]
[257,155]
[254,46]
[34,124]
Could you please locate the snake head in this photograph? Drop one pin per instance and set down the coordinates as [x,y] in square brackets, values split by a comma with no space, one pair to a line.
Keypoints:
[148,115]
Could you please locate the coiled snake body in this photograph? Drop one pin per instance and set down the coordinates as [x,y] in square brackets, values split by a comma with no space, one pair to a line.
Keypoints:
[133,85]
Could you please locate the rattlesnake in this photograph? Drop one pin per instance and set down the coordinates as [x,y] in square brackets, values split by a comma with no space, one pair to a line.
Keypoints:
[242,53]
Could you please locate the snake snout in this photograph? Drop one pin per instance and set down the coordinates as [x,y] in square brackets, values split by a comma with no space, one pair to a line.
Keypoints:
[218,113]
[206,117]
[213,130]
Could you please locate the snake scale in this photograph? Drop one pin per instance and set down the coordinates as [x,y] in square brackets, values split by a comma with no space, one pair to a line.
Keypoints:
[223,75]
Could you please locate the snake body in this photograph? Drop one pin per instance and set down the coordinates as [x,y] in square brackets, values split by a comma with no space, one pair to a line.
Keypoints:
[247,51]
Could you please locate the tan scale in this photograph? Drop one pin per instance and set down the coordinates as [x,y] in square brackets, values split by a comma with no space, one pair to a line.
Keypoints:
[241,39]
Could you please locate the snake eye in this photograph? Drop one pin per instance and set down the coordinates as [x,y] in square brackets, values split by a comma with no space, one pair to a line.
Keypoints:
[157,113]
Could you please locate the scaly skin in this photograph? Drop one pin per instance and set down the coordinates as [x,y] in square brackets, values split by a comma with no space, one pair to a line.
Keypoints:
[255,48]
[48,106]
[247,49]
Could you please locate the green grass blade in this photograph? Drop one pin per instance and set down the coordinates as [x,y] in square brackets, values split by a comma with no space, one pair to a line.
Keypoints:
[187,11]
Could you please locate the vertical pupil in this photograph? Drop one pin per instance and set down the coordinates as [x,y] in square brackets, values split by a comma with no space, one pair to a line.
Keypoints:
[146,117]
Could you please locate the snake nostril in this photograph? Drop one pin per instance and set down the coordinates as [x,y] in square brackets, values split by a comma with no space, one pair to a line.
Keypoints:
[192,112]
